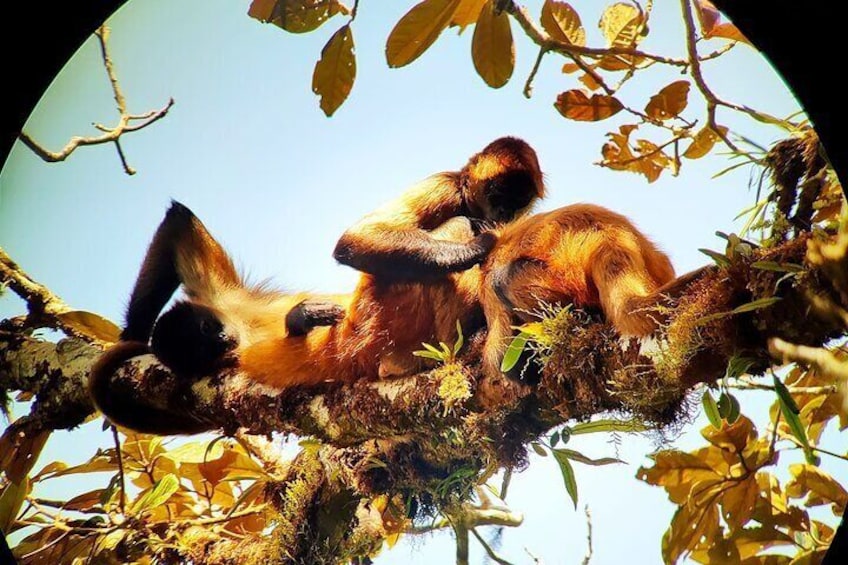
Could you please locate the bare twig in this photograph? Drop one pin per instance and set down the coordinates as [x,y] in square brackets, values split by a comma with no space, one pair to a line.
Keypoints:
[120,457]
[588,556]
[489,551]
[528,86]
[110,135]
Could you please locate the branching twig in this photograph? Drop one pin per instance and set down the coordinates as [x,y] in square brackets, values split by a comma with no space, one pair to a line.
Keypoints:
[489,551]
[528,86]
[110,135]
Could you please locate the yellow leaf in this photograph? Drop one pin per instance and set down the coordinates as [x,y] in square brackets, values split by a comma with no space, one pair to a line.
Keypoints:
[669,101]
[688,526]
[417,30]
[296,16]
[576,105]
[621,25]
[11,499]
[466,13]
[492,48]
[731,436]
[703,142]
[562,22]
[819,487]
[92,325]
[677,472]
[737,501]
[335,71]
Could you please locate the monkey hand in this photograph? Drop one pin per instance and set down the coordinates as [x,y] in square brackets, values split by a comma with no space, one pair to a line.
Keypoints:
[482,245]
[312,313]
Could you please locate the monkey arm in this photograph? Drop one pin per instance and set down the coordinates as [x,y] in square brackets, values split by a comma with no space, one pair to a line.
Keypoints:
[409,255]
[312,313]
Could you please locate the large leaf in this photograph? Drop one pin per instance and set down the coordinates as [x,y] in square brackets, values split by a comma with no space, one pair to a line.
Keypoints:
[711,409]
[513,352]
[91,324]
[689,525]
[562,22]
[295,16]
[819,487]
[335,71]
[567,475]
[466,13]
[670,101]
[576,105]
[492,48]
[580,458]
[417,30]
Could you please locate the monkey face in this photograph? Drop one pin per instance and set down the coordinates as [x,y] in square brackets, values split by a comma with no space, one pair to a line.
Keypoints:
[507,195]
[190,340]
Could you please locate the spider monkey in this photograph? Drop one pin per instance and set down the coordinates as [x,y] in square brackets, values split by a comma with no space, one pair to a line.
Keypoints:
[432,233]
[205,332]
[581,254]
[418,255]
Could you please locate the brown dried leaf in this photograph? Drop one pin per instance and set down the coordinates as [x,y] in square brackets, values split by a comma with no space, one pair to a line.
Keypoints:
[589,81]
[492,48]
[669,101]
[417,30]
[569,68]
[562,22]
[85,501]
[728,31]
[296,16]
[466,13]
[576,105]
[92,325]
[335,72]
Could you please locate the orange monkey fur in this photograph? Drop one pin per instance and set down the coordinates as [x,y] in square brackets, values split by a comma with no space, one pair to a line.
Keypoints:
[581,254]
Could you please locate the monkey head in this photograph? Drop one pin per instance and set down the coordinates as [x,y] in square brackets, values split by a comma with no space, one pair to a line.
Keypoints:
[502,181]
[190,339]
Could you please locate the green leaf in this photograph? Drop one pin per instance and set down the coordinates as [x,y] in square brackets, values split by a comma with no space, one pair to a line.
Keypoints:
[432,349]
[711,409]
[607,426]
[537,447]
[158,495]
[513,352]
[790,412]
[720,260]
[446,351]
[428,355]
[567,475]
[756,305]
[580,458]
[778,267]
[738,366]
[554,439]
[459,339]
[734,411]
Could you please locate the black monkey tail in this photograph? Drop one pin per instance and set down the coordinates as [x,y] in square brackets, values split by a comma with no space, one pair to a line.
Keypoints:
[123,404]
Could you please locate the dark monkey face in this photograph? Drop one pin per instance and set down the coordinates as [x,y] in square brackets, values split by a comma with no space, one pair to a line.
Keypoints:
[190,340]
[508,195]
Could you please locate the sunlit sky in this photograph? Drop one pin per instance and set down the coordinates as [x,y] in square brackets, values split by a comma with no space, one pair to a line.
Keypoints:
[247,148]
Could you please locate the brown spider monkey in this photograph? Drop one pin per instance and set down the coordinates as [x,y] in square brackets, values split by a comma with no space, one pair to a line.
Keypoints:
[224,322]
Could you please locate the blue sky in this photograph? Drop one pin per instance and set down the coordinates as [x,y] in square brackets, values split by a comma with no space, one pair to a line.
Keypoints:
[247,148]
